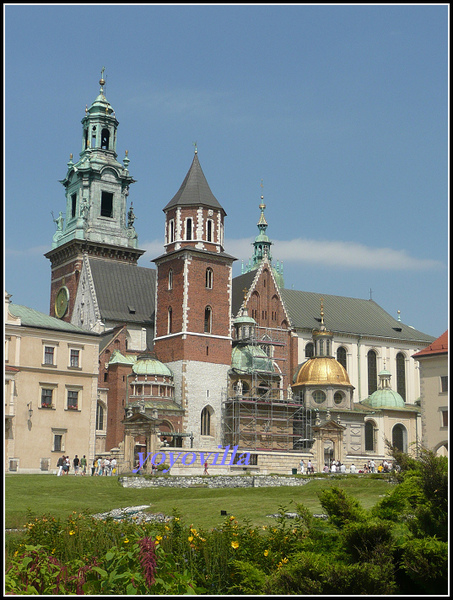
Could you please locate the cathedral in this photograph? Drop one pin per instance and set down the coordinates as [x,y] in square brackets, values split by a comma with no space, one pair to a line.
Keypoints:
[192,357]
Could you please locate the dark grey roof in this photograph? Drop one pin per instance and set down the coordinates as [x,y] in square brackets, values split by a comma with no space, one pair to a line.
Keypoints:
[194,190]
[240,283]
[125,292]
[347,315]
[341,314]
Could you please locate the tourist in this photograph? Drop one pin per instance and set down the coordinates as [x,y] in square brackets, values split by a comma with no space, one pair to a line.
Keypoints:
[113,466]
[206,468]
[66,465]
[342,468]
[83,464]
[94,467]
[60,463]
[372,466]
[326,468]
[352,468]
[310,468]
[107,466]
[76,462]
[333,468]
[302,466]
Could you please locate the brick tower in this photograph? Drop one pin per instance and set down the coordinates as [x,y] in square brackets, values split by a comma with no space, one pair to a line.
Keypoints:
[96,222]
[193,306]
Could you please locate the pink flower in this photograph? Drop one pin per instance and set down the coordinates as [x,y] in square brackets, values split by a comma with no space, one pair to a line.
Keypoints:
[147,558]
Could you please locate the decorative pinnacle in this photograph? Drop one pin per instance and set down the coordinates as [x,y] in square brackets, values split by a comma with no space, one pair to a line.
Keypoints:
[102,80]
[195,145]
[245,290]
[322,311]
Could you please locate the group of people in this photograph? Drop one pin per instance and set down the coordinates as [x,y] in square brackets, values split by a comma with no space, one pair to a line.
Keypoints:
[338,467]
[104,466]
[79,465]
[100,466]
[308,469]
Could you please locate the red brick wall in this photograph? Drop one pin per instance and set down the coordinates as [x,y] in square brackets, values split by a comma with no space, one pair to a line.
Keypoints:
[65,275]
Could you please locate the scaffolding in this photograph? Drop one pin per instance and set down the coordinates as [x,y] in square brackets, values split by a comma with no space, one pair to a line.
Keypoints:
[258,413]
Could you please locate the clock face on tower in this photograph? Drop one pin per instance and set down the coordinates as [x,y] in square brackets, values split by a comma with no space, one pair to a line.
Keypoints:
[62,302]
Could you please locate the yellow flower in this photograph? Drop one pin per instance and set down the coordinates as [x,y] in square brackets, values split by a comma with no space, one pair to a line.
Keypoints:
[158,538]
[266,552]
[126,541]
[190,538]
[72,532]
[235,545]
[284,560]
[231,518]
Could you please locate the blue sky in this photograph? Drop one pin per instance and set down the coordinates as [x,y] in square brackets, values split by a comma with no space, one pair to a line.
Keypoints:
[340,110]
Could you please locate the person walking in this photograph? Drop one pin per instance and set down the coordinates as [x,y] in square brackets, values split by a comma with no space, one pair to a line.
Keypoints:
[302,466]
[206,468]
[83,464]
[76,463]
[60,463]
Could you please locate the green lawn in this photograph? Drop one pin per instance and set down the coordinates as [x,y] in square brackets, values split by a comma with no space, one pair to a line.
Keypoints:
[60,496]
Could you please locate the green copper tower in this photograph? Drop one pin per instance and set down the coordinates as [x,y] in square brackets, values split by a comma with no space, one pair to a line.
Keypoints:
[97,185]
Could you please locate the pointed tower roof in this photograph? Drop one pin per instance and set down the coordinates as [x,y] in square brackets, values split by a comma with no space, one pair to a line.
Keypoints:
[195,190]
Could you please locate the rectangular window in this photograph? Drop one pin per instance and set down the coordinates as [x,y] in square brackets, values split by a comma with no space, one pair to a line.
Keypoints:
[73,205]
[444,384]
[107,205]
[445,418]
[57,442]
[73,400]
[74,358]
[49,355]
[46,398]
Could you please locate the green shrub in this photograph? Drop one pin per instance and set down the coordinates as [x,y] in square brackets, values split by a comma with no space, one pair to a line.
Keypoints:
[367,541]
[341,507]
[425,564]
[308,574]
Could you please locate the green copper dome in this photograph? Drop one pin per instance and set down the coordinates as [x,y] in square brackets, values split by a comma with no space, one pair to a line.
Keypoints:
[250,358]
[384,397]
[146,365]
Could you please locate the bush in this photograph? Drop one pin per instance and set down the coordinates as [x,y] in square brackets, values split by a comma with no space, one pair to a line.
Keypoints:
[340,507]
[368,541]
[312,574]
[425,564]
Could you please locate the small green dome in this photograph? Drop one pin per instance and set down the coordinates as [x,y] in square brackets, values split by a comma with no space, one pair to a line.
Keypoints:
[386,398]
[251,358]
[146,365]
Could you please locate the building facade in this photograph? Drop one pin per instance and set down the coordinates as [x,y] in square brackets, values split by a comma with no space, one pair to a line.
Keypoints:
[237,347]
[51,371]
[433,362]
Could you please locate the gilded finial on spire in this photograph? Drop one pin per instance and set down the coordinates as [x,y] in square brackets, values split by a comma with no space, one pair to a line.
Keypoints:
[102,80]
[245,290]
[195,146]
[322,311]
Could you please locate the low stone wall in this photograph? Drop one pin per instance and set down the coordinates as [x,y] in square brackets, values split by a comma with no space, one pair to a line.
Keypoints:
[218,481]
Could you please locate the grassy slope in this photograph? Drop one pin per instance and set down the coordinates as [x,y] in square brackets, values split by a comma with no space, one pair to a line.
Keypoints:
[59,496]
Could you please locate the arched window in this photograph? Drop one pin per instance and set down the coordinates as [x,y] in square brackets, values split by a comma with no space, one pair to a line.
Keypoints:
[309,350]
[399,438]
[93,137]
[105,139]
[209,231]
[188,229]
[401,375]
[369,436]
[372,372]
[208,319]
[170,279]
[170,320]
[100,417]
[206,421]
[209,278]
[341,356]
[171,234]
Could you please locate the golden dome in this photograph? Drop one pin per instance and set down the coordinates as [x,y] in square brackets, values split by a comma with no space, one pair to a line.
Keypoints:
[322,370]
